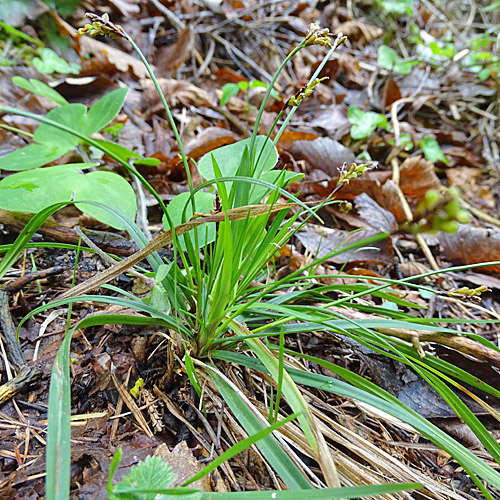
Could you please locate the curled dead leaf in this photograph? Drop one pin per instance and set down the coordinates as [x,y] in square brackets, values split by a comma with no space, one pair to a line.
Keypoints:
[380,252]
[209,139]
[360,31]
[99,57]
[417,176]
[375,216]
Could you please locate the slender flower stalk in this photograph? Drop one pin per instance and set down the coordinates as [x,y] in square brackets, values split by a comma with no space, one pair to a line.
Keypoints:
[314,36]
[101,25]
[339,40]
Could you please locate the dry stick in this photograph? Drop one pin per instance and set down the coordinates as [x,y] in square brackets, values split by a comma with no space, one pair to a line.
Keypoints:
[480,214]
[230,47]
[166,237]
[18,283]
[118,410]
[109,261]
[397,133]
[109,242]
[25,374]
[171,17]
[409,216]
[208,59]
[460,343]
[131,404]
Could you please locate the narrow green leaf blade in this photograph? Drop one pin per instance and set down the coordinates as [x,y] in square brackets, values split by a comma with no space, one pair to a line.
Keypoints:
[278,459]
[316,494]
[58,451]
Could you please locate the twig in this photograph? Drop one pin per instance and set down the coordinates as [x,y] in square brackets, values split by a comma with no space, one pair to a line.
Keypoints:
[26,375]
[409,216]
[109,261]
[172,18]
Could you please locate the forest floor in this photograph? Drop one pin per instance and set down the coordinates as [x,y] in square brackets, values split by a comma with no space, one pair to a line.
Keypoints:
[414,91]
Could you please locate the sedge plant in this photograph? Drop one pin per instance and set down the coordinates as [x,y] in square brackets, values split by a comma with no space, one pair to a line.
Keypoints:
[223,302]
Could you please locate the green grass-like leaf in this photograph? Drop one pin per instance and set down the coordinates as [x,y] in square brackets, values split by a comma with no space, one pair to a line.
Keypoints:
[279,460]
[367,392]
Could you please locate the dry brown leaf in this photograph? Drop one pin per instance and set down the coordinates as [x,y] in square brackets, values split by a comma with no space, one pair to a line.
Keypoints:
[388,198]
[360,31]
[171,57]
[392,93]
[184,465]
[472,245]
[323,153]
[417,176]
[333,120]
[175,91]
[380,252]
[98,57]
[479,279]
[462,176]
[375,216]
[370,183]
[290,136]
[209,139]
[225,75]
[126,7]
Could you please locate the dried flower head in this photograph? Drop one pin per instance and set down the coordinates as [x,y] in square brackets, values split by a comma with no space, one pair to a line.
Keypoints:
[101,25]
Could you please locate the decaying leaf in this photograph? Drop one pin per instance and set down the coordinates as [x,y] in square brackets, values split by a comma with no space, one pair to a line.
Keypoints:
[360,30]
[171,57]
[288,138]
[184,464]
[99,57]
[209,139]
[417,176]
[374,214]
[380,252]
[323,153]
[126,7]
[332,119]
[471,245]
[175,91]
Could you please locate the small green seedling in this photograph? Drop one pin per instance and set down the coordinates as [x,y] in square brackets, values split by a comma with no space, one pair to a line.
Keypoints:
[388,58]
[49,62]
[444,50]
[144,479]
[114,130]
[483,61]
[432,151]
[404,141]
[231,89]
[365,122]
[397,6]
